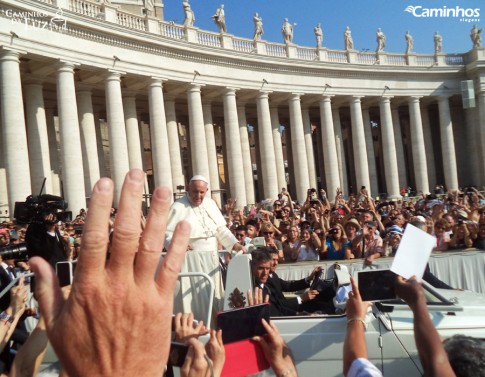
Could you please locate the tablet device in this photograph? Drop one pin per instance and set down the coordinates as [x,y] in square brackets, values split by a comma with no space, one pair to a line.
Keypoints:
[243,323]
[376,285]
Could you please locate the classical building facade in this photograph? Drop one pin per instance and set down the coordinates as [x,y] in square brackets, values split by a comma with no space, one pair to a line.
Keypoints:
[88,89]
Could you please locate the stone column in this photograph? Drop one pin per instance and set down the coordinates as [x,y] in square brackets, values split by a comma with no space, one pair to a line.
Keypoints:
[267,170]
[359,144]
[339,144]
[233,141]
[307,129]
[428,142]
[70,138]
[89,144]
[37,138]
[3,179]
[246,153]
[389,149]
[401,159]
[158,134]
[178,178]
[119,164]
[371,157]
[481,134]
[100,145]
[53,152]
[198,146]
[278,147]
[418,148]
[330,157]
[298,147]
[133,141]
[447,144]
[15,151]
[212,153]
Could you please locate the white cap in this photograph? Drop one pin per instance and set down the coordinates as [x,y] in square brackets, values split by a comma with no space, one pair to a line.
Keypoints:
[199,178]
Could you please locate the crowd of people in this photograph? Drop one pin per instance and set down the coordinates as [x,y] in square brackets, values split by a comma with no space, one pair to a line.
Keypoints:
[360,226]
[115,272]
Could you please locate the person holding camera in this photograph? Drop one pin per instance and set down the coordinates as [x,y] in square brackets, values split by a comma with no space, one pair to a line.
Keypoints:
[368,245]
[337,246]
[392,240]
[307,247]
[461,238]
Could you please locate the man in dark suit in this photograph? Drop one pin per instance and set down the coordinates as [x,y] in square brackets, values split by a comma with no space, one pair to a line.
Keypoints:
[280,305]
[20,334]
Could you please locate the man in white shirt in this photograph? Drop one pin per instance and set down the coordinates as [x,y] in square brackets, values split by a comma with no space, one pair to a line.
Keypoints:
[208,229]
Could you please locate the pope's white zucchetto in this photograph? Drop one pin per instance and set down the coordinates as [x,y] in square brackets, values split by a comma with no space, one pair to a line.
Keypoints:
[199,178]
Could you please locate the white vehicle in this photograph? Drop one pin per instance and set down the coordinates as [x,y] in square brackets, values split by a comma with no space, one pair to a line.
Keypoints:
[317,341]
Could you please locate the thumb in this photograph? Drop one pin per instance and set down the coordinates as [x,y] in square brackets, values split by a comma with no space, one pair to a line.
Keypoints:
[47,290]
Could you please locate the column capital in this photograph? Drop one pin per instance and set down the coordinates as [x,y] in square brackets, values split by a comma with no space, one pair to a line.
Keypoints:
[194,87]
[113,75]
[414,98]
[229,90]
[386,99]
[157,80]
[263,94]
[356,99]
[326,97]
[296,95]
[66,66]
[12,54]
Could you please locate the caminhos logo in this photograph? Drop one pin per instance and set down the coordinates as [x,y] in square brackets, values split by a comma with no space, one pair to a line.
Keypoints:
[464,14]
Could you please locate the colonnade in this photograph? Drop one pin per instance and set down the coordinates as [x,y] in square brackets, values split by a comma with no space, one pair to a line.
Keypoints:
[29,145]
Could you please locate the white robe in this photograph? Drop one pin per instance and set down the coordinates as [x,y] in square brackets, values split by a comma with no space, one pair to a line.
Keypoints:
[208,227]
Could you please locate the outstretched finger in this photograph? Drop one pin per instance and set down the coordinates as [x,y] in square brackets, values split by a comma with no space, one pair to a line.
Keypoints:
[47,291]
[127,231]
[94,245]
[170,267]
[151,242]
[250,298]
[355,289]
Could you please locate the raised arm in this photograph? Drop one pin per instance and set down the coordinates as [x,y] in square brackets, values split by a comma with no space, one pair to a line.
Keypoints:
[430,349]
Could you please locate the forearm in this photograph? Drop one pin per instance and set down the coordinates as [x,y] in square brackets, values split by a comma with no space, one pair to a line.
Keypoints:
[30,356]
[354,346]
[430,349]
[8,327]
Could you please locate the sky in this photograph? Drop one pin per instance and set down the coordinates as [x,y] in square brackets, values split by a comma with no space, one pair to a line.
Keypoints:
[363,17]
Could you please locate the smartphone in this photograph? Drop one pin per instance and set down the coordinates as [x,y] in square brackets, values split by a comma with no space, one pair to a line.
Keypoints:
[316,280]
[243,323]
[376,285]
[178,352]
[65,272]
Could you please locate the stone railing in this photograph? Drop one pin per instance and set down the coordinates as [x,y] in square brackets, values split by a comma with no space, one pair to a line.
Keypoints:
[112,13]
[86,8]
[129,20]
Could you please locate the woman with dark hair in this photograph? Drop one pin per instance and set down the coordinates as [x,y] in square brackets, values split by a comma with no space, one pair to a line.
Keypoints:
[307,247]
[337,245]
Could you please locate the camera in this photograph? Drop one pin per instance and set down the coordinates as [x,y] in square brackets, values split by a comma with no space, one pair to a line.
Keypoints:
[16,251]
[333,231]
[36,207]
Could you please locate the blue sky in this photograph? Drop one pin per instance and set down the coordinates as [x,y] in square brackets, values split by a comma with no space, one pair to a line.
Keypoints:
[363,17]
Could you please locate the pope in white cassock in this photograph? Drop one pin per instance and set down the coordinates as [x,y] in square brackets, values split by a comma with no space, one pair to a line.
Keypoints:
[208,230]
